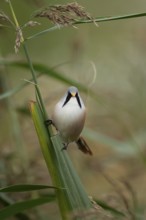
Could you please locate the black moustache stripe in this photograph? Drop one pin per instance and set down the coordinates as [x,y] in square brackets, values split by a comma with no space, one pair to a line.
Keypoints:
[69,97]
[78,100]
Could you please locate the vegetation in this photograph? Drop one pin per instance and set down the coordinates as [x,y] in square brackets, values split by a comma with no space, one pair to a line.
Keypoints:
[65,188]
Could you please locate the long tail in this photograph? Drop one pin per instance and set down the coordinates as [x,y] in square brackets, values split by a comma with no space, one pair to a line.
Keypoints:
[83,146]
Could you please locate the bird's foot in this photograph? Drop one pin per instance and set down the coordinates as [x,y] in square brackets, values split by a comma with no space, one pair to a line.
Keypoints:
[65,146]
[48,122]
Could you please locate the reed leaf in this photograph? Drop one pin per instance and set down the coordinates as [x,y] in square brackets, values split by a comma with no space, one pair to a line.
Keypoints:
[44,69]
[25,188]
[72,198]
[85,21]
[109,208]
[18,207]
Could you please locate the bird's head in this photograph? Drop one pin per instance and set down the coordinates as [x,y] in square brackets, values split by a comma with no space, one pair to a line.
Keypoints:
[72,92]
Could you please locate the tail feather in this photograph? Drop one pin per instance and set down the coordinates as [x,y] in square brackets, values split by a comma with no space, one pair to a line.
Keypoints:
[83,146]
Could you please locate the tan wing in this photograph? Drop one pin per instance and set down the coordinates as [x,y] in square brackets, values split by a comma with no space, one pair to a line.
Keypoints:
[83,146]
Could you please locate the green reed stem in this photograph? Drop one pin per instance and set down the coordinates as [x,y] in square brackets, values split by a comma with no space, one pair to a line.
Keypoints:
[38,93]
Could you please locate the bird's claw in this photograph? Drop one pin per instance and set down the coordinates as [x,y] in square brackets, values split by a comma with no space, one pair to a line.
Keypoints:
[65,147]
[48,122]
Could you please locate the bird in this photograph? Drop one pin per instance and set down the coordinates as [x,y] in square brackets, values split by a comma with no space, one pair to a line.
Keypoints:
[69,117]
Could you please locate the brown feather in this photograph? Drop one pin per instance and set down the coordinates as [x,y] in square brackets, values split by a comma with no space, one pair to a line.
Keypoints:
[83,146]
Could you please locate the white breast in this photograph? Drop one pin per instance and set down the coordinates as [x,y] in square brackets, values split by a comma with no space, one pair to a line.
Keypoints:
[69,119]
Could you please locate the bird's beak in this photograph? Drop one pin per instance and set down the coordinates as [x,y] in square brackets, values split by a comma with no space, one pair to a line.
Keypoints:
[73,94]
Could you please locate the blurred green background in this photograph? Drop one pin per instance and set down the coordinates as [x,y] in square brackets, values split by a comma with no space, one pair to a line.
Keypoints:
[115,125]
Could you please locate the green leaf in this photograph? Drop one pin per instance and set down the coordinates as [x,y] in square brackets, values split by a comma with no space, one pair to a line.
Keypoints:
[25,188]
[109,208]
[74,197]
[125,148]
[43,69]
[12,91]
[24,205]
[5,200]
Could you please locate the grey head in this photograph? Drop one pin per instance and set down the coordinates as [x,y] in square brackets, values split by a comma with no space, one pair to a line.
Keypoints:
[72,92]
